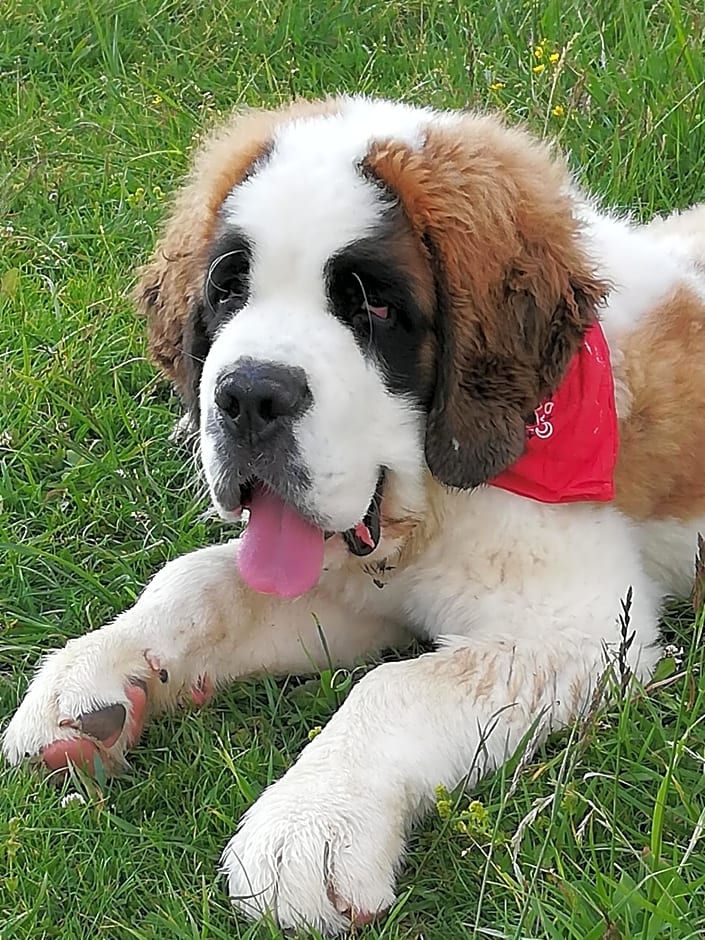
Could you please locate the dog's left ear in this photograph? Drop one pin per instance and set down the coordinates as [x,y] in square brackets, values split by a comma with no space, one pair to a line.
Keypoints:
[516,289]
[491,378]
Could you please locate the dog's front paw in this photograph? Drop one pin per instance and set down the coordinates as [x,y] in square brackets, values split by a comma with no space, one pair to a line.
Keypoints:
[88,701]
[321,853]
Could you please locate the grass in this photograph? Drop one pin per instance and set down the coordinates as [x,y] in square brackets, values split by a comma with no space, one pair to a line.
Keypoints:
[600,835]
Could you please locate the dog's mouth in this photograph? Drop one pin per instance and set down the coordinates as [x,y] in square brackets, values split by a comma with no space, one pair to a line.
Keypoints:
[281,550]
[364,537]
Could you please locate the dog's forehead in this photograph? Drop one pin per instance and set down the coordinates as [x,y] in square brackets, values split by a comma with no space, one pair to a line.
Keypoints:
[308,197]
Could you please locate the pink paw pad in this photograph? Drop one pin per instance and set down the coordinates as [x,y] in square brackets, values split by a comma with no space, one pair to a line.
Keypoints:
[78,751]
[137,694]
[98,731]
[357,918]
[202,691]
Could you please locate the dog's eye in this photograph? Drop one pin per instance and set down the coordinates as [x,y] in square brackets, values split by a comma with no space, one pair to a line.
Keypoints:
[364,301]
[373,307]
[227,282]
[380,311]
[369,304]
[369,312]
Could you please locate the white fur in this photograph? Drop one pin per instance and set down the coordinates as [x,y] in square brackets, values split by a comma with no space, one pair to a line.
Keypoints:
[643,267]
[184,620]
[523,598]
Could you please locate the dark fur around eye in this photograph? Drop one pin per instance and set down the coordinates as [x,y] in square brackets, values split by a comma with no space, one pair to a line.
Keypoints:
[362,276]
[227,281]
[225,291]
[366,275]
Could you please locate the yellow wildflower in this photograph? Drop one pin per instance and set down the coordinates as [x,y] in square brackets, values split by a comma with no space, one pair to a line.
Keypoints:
[497,86]
[558,110]
[553,58]
[136,198]
[157,100]
[538,52]
[537,69]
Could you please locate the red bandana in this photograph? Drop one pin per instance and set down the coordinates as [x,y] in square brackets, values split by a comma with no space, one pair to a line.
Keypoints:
[571,448]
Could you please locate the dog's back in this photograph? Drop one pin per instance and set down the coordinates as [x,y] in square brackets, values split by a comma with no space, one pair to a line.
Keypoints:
[659,365]
[687,227]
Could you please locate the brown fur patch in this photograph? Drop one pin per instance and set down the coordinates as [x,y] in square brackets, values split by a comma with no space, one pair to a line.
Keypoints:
[517,291]
[661,466]
[173,278]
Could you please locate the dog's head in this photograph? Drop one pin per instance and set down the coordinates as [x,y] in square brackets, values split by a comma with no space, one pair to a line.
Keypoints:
[351,292]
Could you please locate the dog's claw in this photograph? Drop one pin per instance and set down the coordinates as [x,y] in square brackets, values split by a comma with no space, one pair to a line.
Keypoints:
[155,665]
[69,723]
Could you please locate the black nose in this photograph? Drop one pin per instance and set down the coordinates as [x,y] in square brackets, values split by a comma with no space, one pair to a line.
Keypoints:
[259,397]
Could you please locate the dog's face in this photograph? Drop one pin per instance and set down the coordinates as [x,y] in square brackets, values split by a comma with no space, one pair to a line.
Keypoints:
[318,303]
[351,293]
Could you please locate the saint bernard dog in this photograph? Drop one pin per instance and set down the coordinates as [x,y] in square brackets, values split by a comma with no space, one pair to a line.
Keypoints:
[458,401]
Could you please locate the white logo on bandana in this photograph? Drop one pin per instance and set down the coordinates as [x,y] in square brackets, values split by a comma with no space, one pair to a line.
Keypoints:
[542,427]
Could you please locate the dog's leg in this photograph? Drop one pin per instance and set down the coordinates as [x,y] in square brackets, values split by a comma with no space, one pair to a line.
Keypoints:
[322,846]
[195,627]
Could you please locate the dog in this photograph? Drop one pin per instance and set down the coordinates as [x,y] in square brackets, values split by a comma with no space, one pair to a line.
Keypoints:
[460,402]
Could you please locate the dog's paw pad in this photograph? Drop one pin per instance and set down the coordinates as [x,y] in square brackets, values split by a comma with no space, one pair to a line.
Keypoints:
[104,724]
[137,694]
[97,733]
[202,691]
[81,752]
[357,918]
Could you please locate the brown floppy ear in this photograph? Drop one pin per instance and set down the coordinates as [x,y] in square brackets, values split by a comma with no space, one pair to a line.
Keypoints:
[489,382]
[169,289]
[516,289]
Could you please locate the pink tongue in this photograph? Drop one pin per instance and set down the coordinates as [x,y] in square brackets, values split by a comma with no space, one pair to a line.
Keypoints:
[280,552]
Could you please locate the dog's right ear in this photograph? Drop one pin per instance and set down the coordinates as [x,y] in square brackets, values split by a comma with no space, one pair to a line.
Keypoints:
[169,290]
[195,347]
[164,295]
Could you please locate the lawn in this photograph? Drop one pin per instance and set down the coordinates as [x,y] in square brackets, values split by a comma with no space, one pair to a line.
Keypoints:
[601,833]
